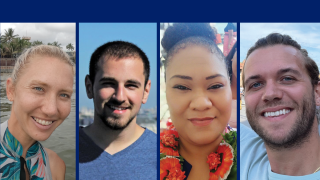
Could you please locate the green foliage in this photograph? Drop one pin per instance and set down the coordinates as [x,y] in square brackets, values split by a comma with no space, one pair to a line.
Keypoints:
[162,155]
[12,45]
[55,43]
[231,138]
[70,47]
[36,43]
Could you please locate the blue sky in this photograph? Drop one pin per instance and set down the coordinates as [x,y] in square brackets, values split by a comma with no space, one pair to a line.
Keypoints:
[93,35]
[306,34]
[220,27]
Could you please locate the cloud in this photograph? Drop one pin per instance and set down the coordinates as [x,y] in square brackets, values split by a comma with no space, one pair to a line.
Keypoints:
[64,33]
[306,34]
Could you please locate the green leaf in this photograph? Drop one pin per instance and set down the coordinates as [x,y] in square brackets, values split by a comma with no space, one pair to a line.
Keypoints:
[162,155]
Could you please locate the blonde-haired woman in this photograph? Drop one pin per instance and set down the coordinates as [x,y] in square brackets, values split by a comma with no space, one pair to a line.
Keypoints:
[40,90]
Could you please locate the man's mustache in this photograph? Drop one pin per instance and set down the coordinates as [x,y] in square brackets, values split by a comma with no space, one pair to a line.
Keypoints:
[115,102]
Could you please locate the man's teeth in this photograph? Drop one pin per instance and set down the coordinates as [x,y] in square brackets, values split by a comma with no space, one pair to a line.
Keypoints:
[118,108]
[277,113]
[42,122]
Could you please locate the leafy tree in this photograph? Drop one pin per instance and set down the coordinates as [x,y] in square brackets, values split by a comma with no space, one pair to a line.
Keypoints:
[8,36]
[21,44]
[70,47]
[36,43]
[55,43]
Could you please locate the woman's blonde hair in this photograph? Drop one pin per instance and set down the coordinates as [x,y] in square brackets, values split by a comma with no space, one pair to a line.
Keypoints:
[41,50]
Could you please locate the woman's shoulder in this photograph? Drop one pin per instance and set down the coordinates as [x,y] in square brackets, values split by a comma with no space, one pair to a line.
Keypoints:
[57,165]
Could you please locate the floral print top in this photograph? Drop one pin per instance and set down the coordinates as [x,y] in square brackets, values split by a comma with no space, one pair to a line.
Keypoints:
[37,160]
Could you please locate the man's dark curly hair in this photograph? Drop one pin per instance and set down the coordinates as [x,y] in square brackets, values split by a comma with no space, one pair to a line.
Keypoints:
[181,35]
[278,39]
[118,50]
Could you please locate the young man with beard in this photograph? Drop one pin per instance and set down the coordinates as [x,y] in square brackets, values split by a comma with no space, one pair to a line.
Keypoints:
[281,84]
[115,146]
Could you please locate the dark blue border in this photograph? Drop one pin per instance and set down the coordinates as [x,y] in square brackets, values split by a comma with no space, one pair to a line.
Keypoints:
[77,101]
[158,100]
[238,100]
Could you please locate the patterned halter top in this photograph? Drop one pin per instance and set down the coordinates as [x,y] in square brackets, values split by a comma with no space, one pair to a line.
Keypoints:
[11,162]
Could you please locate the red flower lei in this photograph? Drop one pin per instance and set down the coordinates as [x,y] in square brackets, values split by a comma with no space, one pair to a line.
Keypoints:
[220,162]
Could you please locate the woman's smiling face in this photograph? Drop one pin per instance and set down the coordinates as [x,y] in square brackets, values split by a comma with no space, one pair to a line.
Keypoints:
[41,96]
[198,94]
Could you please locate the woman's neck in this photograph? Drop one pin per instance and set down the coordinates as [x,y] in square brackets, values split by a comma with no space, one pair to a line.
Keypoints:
[194,153]
[16,130]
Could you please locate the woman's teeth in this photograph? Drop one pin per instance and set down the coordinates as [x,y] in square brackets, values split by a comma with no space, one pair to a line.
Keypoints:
[276,113]
[42,122]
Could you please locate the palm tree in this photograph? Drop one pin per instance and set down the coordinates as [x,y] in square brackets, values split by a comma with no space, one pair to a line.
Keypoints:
[36,43]
[21,44]
[55,43]
[70,47]
[10,49]
[8,36]
[2,51]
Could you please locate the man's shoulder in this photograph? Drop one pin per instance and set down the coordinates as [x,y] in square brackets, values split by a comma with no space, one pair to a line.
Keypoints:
[84,139]
[246,132]
[148,139]
[253,155]
[151,135]
[88,150]
[249,139]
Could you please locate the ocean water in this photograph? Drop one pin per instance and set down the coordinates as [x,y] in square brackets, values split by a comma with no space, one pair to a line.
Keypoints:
[62,140]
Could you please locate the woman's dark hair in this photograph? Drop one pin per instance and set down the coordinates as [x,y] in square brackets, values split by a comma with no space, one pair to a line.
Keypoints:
[181,35]
[229,58]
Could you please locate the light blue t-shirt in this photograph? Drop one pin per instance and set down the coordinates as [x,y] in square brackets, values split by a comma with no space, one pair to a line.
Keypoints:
[254,162]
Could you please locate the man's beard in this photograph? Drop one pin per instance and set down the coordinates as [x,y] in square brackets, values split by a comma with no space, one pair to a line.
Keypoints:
[300,130]
[113,122]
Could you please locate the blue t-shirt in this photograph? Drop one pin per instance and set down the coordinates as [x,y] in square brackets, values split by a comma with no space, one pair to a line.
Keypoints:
[136,162]
[254,162]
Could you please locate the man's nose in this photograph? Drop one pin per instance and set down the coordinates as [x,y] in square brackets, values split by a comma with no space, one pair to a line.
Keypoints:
[120,94]
[272,92]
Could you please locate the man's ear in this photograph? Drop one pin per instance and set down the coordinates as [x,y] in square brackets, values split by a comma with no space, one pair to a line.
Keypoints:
[89,87]
[317,93]
[10,89]
[146,92]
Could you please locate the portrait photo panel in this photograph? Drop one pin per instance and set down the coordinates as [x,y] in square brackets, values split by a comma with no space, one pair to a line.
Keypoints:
[198,100]
[279,116]
[38,101]
[118,101]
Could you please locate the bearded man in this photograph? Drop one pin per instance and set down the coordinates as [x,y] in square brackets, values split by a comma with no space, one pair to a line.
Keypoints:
[115,146]
[281,84]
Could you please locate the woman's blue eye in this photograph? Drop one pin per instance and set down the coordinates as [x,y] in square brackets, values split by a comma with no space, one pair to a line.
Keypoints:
[216,86]
[38,88]
[181,87]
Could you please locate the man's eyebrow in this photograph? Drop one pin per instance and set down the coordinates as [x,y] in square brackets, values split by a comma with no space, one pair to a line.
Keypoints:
[251,78]
[214,76]
[107,79]
[132,81]
[182,77]
[282,71]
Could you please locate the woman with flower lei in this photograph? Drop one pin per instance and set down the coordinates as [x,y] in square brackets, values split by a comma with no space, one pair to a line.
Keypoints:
[199,98]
